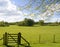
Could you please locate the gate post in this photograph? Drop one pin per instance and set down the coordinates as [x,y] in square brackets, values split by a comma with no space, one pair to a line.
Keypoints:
[19,38]
[5,39]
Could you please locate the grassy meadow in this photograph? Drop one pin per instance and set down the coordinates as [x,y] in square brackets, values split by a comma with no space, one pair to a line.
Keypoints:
[38,36]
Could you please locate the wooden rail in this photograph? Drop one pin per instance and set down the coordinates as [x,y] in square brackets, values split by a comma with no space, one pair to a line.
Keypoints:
[13,38]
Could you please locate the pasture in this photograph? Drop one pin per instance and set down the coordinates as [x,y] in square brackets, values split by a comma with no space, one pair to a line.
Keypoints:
[38,36]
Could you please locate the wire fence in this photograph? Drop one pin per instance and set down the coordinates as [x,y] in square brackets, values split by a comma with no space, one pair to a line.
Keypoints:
[38,39]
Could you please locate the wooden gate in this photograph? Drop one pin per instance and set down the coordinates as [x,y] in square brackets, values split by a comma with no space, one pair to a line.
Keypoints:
[14,38]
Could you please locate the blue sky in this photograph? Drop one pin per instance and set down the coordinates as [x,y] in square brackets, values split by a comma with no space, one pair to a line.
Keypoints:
[20,2]
[17,10]
[24,2]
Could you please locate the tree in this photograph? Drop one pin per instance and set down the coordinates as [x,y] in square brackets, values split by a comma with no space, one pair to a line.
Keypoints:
[2,23]
[29,22]
[26,22]
[41,22]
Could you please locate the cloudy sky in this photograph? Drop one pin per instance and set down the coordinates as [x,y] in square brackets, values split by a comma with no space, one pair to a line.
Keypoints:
[17,10]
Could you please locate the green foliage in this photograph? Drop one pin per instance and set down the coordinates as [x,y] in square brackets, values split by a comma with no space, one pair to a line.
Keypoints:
[52,24]
[12,23]
[26,22]
[3,24]
[29,22]
[41,22]
[21,23]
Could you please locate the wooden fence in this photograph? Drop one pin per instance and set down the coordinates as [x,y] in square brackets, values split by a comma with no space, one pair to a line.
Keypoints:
[14,38]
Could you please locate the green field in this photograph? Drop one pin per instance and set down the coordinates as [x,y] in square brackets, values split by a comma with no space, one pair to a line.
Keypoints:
[38,36]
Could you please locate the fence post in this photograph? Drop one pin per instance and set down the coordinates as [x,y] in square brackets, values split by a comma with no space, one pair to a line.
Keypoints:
[19,38]
[54,38]
[39,38]
[5,39]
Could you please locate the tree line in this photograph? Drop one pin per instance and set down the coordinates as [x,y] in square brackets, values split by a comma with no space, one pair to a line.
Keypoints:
[29,22]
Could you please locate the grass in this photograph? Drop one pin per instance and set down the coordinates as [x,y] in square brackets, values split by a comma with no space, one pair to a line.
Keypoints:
[34,34]
[47,45]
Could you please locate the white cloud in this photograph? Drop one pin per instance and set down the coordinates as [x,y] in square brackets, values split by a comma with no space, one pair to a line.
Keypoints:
[11,7]
[50,12]
[9,12]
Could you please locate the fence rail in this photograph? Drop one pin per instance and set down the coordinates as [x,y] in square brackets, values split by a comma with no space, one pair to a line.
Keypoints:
[13,38]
